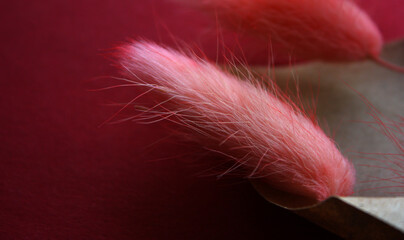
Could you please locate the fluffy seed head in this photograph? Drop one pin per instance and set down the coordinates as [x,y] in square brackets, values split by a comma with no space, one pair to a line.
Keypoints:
[267,137]
[311,29]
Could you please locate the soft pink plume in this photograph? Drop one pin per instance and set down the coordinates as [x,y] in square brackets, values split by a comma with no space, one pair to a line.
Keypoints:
[310,29]
[268,138]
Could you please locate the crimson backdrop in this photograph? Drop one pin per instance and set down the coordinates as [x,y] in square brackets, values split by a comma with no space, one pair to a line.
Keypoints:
[62,177]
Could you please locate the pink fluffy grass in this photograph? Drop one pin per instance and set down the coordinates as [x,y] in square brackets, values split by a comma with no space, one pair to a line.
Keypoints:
[270,139]
[334,30]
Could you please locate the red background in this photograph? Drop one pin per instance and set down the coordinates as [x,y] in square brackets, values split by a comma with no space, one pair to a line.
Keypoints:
[62,177]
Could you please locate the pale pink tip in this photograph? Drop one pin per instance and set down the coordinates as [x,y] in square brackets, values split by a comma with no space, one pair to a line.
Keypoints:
[311,29]
[265,136]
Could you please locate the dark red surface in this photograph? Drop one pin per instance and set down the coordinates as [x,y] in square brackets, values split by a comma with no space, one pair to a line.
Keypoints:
[62,177]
